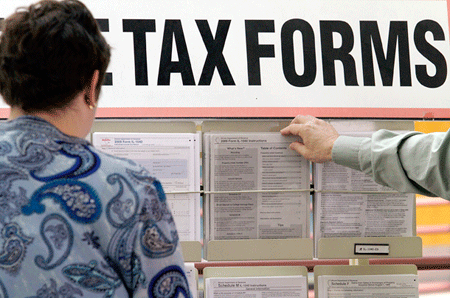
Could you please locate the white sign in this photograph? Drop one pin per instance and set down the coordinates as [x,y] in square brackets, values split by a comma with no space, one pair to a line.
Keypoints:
[273,58]
[371,249]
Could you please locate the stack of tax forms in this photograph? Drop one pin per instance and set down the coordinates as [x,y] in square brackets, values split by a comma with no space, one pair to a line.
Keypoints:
[348,203]
[256,287]
[363,286]
[174,159]
[255,187]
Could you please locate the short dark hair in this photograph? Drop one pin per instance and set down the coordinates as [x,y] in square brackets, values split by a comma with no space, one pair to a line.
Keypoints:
[48,53]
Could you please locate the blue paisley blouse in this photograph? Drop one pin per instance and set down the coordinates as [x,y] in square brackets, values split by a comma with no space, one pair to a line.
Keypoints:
[76,222]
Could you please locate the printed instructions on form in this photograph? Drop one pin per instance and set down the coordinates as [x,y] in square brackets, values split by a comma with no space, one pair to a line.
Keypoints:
[174,159]
[257,287]
[348,203]
[252,162]
[364,286]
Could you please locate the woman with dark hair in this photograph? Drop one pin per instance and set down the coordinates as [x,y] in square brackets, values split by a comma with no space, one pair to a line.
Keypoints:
[74,222]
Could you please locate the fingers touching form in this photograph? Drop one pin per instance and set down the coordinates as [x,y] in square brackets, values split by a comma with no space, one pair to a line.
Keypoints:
[317,137]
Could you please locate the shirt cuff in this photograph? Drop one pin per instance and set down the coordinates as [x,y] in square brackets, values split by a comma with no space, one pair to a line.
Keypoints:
[345,151]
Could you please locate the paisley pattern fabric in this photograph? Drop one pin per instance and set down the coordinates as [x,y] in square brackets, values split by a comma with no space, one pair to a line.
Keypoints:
[14,247]
[169,283]
[75,222]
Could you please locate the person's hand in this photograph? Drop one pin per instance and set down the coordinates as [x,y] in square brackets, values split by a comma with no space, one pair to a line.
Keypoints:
[317,138]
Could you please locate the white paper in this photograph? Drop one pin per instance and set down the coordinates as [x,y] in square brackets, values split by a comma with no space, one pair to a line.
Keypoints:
[256,162]
[365,286]
[192,278]
[356,214]
[174,159]
[207,198]
[257,287]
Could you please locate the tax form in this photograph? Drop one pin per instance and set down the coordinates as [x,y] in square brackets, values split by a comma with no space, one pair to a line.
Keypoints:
[256,287]
[264,169]
[348,203]
[174,159]
[366,286]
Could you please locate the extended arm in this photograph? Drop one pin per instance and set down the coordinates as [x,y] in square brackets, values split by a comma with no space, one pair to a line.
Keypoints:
[411,162]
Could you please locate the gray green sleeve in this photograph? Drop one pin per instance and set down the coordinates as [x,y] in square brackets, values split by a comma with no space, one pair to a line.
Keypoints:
[411,162]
